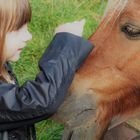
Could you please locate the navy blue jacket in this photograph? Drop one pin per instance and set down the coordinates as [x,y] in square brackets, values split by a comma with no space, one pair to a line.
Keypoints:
[35,100]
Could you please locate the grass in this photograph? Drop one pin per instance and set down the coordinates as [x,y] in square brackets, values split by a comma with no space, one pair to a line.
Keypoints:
[47,15]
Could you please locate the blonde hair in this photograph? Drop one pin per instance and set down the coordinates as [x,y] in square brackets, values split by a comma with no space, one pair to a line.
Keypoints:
[13,15]
[114,7]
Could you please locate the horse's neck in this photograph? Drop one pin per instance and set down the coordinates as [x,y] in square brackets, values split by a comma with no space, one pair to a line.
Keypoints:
[97,76]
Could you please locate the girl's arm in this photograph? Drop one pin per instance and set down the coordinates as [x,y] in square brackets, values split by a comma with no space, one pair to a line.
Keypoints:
[40,98]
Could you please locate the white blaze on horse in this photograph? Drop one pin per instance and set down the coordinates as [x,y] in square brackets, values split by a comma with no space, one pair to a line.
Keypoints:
[108,83]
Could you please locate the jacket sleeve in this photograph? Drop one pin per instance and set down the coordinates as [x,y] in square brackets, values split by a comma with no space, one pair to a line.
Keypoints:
[42,96]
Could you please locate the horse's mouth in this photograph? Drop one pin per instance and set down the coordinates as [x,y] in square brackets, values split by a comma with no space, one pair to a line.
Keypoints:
[75,108]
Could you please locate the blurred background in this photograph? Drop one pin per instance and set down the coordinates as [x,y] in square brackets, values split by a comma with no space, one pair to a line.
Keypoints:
[46,16]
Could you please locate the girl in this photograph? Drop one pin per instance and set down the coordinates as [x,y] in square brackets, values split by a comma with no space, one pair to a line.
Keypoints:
[22,106]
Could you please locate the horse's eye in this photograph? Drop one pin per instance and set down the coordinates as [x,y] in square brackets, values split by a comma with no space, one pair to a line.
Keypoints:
[131,31]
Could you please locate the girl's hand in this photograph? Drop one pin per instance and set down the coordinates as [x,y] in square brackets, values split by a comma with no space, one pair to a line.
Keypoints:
[73,27]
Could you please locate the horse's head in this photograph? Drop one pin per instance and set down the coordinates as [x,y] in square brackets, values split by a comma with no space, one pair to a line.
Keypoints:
[110,76]
[114,64]
[117,39]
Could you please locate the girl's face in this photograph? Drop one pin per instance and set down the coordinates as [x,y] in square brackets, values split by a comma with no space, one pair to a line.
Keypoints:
[15,41]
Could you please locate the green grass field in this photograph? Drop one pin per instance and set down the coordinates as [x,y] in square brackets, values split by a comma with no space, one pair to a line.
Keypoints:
[47,15]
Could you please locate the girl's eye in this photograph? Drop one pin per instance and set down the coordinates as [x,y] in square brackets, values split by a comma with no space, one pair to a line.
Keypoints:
[131,31]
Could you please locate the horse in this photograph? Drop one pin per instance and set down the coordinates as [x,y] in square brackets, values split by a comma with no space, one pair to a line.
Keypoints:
[110,76]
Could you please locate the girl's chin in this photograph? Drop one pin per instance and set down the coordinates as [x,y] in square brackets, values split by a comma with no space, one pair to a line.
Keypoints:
[14,58]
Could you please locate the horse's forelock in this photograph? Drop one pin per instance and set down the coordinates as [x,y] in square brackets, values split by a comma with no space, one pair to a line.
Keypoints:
[114,8]
[112,12]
